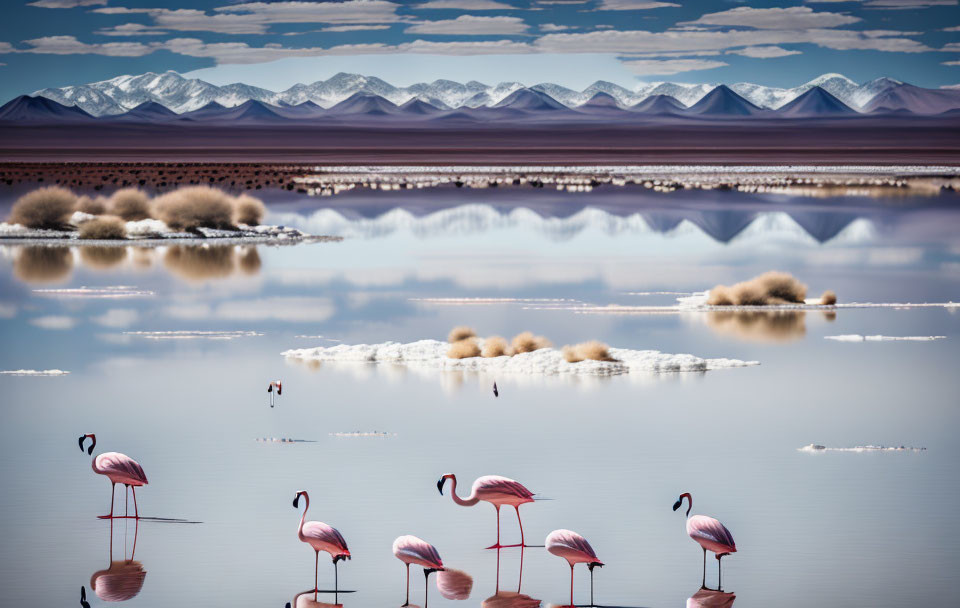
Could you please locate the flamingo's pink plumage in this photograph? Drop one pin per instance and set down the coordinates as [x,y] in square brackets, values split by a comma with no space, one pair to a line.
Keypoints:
[323,537]
[120,468]
[572,547]
[412,550]
[711,534]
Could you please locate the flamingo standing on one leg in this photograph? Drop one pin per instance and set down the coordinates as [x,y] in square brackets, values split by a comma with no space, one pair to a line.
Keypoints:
[119,468]
[710,534]
[413,550]
[276,384]
[576,550]
[321,537]
[496,490]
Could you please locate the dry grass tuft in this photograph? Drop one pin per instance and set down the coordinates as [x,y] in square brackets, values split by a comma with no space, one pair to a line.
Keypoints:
[200,263]
[526,342]
[593,351]
[829,298]
[464,349]
[248,210]
[102,258]
[130,204]
[194,207]
[38,264]
[103,227]
[49,207]
[770,288]
[495,346]
[93,206]
[461,332]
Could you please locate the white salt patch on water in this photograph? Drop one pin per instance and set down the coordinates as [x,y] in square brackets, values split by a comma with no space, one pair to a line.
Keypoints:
[192,335]
[490,300]
[281,440]
[859,338]
[80,217]
[146,227]
[318,338]
[546,361]
[34,372]
[378,434]
[113,291]
[815,448]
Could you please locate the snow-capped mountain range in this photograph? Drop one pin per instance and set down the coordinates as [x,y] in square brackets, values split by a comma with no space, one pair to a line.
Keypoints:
[179,94]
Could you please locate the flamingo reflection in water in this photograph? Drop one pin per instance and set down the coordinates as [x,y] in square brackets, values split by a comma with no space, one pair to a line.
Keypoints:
[122,580]
[710,534]
[710,598]
[118,468]
[510,599]
[496,490]
[308,599]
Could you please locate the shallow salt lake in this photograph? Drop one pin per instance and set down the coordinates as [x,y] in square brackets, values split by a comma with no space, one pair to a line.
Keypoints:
[169,352]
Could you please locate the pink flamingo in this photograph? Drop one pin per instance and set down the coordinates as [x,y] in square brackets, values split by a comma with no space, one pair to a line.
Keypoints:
[321,537]
[413,550]
[276,384]
[119,468]
[710,534]
[496,490]
[576,550]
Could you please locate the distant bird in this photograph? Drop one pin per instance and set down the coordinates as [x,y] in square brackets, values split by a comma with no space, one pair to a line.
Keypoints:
[119,468]
[496,490]
[275,384]
[413,550]
[496,392]
[321,537]
[576,550]
[710,534]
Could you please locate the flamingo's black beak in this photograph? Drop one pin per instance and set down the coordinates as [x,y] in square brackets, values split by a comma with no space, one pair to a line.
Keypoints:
[296,501]
[80,441]
[677,504]
[83,593]
[440,485]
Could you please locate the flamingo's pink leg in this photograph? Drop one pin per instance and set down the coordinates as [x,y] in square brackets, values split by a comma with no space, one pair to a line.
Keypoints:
[522,542]
[498,545]
[571,585]
[316,575]
[703,585]
[113,486]
[407,601]
[136,511]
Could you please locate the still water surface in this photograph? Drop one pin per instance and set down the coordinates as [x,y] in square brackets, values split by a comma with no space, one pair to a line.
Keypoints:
[838,529]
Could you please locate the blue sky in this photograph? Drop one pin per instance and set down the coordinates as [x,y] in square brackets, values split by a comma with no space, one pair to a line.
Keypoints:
[571,42]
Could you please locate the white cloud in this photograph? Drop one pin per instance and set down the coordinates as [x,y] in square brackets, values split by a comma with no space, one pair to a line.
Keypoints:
[117,317]
[470,25]
[68,45]
[465,5]
[950,63]
[955,28]
[354,28]
[764,52]
[951,47]
[288,309]
[7,311]
[908,4]
[66,3]
[54,322]
[792,18]
[952,87]
[646,67]
[553,27]
[131,29]
[633,5]
[256,17]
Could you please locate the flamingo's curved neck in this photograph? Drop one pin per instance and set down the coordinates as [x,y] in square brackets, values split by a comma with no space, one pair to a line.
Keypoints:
[304,516]
[463,502]
[689,502]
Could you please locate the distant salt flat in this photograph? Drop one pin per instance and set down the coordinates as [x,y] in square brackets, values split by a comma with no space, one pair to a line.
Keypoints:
[647,169]
[282,440]
[814,448]
[110,291]
[859,338]
[493,301]
[544,362]
[34,372]
[192,335]
[374,434]
[306,337]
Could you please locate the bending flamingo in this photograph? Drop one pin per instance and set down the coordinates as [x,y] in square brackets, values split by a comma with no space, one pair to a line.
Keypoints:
[413,550]
[496,490]
[119,468]
[276,384]
[576,550]
[710,534]
[321,537]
